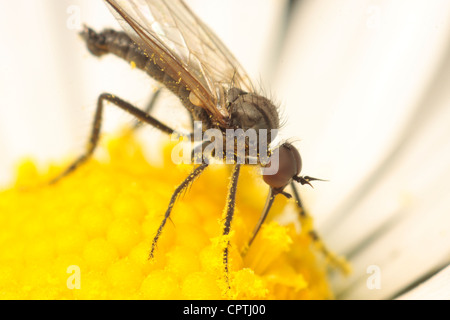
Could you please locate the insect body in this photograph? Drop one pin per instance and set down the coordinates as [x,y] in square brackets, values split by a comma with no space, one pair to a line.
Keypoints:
[167,41]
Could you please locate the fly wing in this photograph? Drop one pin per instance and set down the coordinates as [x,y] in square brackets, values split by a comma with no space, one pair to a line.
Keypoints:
[185,48]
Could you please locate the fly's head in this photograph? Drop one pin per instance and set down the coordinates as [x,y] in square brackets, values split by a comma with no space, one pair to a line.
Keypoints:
[288,165]
[287,162]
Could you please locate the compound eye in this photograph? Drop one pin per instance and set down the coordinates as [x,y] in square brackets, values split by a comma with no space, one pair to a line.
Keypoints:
[289,164]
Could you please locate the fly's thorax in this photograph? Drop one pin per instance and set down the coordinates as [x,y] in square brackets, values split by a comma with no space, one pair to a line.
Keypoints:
[252,111]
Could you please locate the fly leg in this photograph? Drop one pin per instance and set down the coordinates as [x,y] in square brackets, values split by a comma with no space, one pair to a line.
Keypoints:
[230,206]
[269,201]
[182,187]
[95,133]
[150,106]
[307,227]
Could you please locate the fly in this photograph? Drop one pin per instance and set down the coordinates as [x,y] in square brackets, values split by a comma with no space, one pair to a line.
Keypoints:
[165,39]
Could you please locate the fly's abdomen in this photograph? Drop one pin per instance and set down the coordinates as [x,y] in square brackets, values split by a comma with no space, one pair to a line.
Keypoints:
[121,45]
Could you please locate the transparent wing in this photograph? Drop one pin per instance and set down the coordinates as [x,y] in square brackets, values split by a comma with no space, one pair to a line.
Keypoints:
[186,49]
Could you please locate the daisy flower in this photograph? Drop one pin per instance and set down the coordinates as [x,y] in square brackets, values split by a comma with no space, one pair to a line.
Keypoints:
[89,235]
